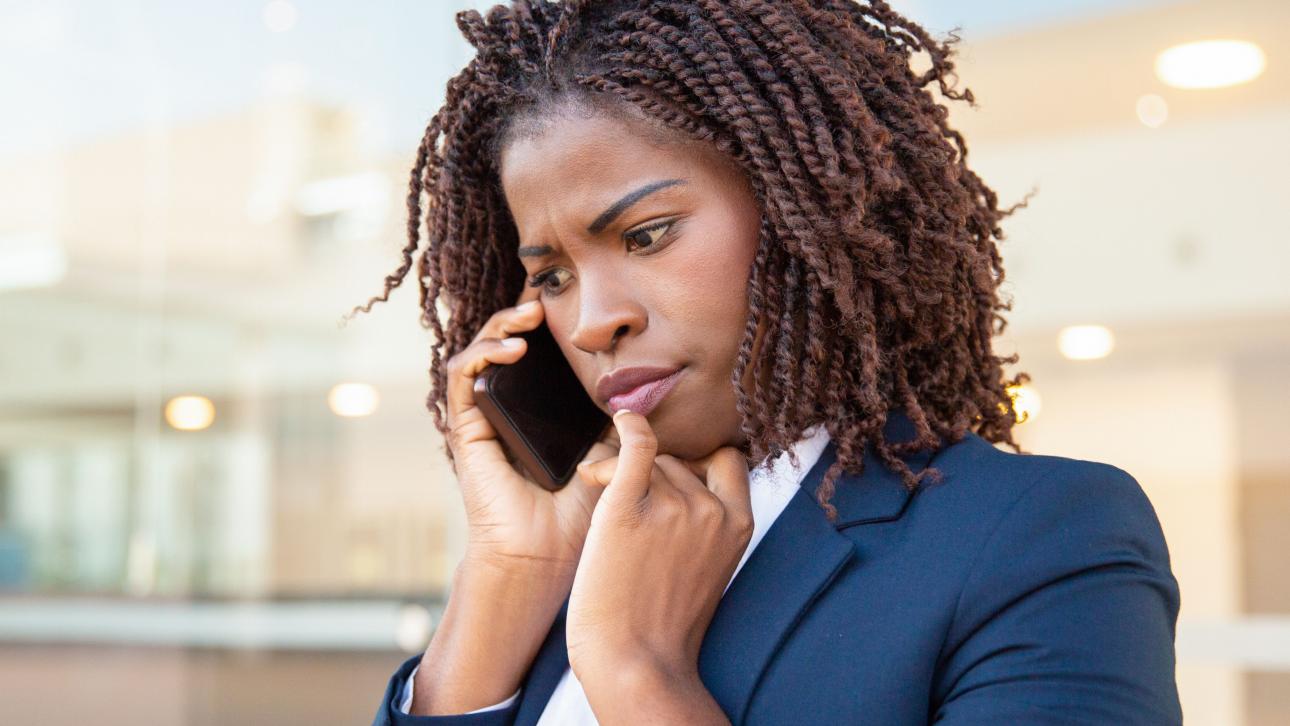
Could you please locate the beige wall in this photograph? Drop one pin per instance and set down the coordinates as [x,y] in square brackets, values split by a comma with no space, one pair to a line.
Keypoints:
[73,685]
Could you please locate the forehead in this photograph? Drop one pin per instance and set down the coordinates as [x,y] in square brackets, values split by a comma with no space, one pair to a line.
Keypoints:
[577,160]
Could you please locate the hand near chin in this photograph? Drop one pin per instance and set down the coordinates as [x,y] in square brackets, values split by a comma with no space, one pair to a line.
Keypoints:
[664,541]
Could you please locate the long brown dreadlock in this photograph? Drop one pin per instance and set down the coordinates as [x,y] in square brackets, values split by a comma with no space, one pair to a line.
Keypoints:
[874,231]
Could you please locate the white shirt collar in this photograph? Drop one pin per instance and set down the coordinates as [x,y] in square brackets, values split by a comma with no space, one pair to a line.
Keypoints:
[773,483]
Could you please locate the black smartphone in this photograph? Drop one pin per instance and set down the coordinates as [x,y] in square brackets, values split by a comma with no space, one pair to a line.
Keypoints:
[541,412]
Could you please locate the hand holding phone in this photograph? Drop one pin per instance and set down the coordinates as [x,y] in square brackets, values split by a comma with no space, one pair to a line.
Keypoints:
[511,517]
[540,410]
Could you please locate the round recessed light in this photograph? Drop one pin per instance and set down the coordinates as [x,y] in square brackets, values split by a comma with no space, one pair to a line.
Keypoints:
[1085,342]
[1025,401]
[1210,64]
[190,413]
[353,400]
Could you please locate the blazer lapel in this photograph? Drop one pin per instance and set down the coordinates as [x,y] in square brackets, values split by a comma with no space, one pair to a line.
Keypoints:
[800,556]
[795,561]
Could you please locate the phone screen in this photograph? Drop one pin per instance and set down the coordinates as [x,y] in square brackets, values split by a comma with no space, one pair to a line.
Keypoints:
[540,410]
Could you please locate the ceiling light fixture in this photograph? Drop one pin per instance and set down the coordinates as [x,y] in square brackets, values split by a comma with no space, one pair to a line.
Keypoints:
[1085,342]
[1210,64]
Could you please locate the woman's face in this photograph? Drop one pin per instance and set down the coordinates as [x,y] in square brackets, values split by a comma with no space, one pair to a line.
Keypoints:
[645,250]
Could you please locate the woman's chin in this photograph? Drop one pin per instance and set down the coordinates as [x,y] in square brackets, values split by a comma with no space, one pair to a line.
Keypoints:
[686,429]
[687,444]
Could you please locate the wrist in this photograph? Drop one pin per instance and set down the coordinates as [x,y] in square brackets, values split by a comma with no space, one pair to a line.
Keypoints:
[517,575]
[491,630]
[511,559]
[638,671]
[648,691]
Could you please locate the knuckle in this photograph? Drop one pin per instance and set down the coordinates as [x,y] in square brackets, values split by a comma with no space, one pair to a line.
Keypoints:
[741,522]
[455,364]
[743,537]
[734,458]
[670,510]
[709,508]
[671,517]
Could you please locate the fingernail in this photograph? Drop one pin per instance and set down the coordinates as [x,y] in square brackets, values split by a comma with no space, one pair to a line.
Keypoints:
[525,307]
[512,342]
[620,412]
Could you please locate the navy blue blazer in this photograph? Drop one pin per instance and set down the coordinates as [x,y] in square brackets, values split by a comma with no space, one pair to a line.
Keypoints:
[1021,589]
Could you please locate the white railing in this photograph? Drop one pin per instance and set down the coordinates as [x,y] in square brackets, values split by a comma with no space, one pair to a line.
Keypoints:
[307,625]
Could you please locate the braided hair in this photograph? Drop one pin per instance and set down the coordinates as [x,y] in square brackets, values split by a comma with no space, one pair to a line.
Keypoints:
[876,274]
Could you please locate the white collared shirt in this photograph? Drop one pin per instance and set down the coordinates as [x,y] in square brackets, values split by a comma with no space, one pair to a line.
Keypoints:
[769,491]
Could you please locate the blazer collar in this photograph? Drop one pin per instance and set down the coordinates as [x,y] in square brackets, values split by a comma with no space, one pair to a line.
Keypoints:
[876,494]
[799,557]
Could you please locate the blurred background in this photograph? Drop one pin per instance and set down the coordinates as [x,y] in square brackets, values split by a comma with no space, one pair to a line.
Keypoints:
[218,506]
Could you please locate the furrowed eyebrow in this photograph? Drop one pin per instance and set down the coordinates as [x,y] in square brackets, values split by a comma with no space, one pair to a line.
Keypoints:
[631,198]
[607,216]
[539,251]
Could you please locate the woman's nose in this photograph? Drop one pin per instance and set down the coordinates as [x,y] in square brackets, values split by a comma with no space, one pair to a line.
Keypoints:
[607,311]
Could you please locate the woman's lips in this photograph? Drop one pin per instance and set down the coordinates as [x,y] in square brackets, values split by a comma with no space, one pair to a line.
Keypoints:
[645,397]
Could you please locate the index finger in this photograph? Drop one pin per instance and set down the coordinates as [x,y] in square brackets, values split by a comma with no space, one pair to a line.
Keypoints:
[506,321]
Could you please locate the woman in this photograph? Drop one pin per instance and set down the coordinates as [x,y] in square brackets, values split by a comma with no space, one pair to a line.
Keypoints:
[760,201]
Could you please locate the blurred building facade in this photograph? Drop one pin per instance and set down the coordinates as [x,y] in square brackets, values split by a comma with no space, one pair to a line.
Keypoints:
[231,287]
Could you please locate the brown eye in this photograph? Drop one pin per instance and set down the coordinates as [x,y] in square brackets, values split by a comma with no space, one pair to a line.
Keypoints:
[540,280]
[648,238]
